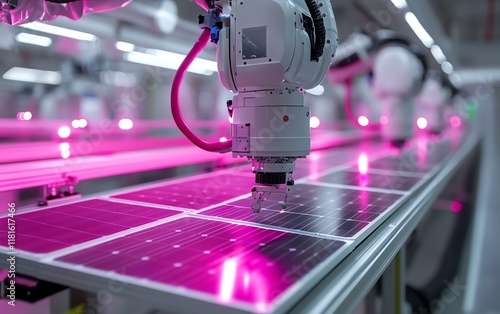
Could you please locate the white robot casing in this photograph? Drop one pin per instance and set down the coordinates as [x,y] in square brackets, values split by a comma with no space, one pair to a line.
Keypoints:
[397,81]
[264,55]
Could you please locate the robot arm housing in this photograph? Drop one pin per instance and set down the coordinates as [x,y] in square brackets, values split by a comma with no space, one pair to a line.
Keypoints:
[15,12]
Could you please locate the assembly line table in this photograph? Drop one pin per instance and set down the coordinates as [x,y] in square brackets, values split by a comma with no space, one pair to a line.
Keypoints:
[194,245]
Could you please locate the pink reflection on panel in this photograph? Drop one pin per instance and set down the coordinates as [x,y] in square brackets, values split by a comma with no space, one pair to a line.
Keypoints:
[314,166]
[422,143]
[65,150]
[363,163]
[384,120]
[228,280]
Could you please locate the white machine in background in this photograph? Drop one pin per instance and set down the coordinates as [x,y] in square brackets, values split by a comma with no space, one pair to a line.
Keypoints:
[435,98]
[398,70]
[268,53]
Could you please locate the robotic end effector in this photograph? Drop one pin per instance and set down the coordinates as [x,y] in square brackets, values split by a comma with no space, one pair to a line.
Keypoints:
[268,57]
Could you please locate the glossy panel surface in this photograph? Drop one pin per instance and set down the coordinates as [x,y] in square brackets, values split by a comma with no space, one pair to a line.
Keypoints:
[387,182]
[227,261]
[56,228]
[315,209]
[196,193]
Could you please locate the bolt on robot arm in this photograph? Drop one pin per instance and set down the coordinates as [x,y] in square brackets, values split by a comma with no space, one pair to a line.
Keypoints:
[268,53]
[15,12]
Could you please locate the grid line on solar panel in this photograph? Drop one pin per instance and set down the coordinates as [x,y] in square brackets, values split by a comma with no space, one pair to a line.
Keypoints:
[315,209]
[230,262]
[194,194]
[56,228]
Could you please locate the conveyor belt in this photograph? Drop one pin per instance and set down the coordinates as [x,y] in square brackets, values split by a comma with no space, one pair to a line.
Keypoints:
[198,246]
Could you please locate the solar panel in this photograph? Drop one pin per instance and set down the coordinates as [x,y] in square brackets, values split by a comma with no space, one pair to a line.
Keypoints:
[59,227]
[229,262]
[196,193]
[388,182]
[315,209]
[399,165]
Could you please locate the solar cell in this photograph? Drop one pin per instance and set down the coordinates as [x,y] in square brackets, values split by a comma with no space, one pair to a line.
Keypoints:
[316,209]
[227,261]
[196,193]
[59,227]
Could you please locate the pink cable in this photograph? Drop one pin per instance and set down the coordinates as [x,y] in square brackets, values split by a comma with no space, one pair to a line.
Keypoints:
[221,147]
[348,108]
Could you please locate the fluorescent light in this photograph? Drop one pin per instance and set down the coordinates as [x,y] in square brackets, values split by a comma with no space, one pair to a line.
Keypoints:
[438,54]
[31,39]
[447,67]
[171,60]
[59,31]
[123,46]
[33,76]
[317,91]
[400,4]
[419,30]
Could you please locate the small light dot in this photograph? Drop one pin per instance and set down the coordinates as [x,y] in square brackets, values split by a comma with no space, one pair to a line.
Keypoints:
[177,246]
[178,265]
[206,252]
[115,252]
[292,249]
[363,121]
[149,241]
[204,235]
[145,258]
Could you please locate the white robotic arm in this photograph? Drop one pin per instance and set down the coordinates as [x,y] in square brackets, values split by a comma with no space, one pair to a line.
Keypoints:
[397,80]
[269,52]
[16,12]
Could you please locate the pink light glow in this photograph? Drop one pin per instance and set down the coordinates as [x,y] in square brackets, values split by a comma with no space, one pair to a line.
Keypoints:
[231,119]
[363,164]
[82,123]
[363,121]
[384,120]
[64,132]
[75,124]
[421,123]
[20,115]
[228,280]
[223,139]
[455,122]
[456,206]
[314,122]
[125,124]
[246,280]
[27,116]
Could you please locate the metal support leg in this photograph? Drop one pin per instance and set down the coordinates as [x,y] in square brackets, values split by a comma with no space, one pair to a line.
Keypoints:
[394,285]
